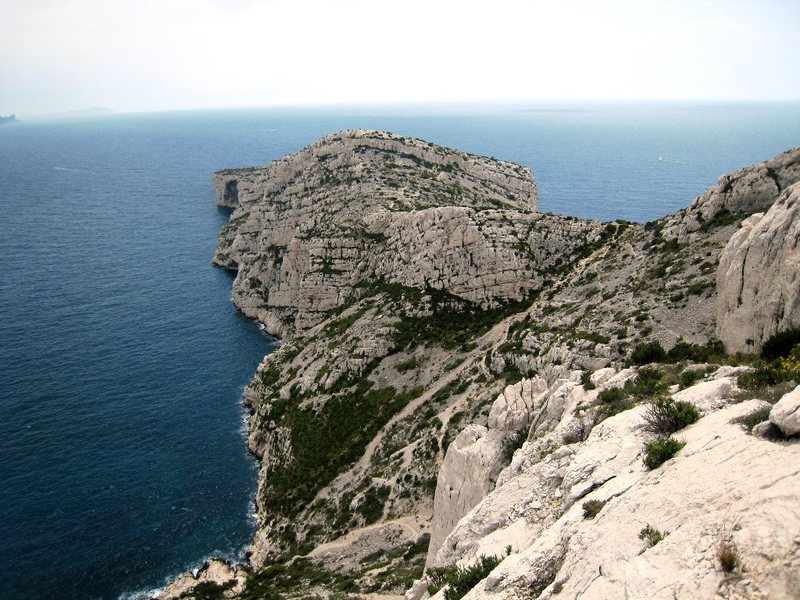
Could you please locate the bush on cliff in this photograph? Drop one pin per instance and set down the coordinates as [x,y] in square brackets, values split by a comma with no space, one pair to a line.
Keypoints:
[711,351]
[781,344]
[460,580]
[648,352]
[660,451]
[664,416]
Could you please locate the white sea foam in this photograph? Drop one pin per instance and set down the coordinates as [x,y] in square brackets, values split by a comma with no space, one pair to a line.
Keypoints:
[229,556]
[69,170]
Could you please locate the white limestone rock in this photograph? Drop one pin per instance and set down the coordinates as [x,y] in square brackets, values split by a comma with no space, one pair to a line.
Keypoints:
[468,473]
[758,278]
[360,207]
[724,485]
[742,192]
[418,590]
[786,413]
[214,571]
[513,409]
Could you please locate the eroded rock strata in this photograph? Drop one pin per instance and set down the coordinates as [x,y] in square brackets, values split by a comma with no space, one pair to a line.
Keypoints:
[462,383]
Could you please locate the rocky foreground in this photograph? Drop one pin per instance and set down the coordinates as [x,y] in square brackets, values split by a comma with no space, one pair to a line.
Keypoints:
[474,399]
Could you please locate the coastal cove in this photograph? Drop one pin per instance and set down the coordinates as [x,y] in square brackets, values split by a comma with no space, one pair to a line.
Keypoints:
[123,359]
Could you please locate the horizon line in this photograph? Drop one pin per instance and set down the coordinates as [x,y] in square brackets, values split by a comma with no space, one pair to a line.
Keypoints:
[96,111]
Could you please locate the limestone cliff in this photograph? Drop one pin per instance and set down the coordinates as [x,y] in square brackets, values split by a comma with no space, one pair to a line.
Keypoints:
[363,206]
[589,519]
[737,195]
[759,276]
[461,376]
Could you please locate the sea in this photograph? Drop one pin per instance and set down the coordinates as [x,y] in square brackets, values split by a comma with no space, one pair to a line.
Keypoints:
[123,457]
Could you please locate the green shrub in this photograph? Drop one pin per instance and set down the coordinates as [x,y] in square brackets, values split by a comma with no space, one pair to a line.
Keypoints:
[664,416]
[765,376]
[591,508]
[371,507]
[780,344]
[615,400]
[613,394]
[651,535]
[326,440]
[408,365]
[660,451]
[453,322]
[697,288]
[754,418]
[276,579]
[270,375]
[648,352]
[209,590]
[338,327]
[513,443]
[711,351]
[460,580]
[586,380]
[690,377]
[647,383]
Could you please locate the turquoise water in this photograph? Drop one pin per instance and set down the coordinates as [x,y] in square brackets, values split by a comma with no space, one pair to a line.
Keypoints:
[122,359]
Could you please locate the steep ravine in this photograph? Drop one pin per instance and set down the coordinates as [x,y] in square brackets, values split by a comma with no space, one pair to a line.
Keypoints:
[451,382]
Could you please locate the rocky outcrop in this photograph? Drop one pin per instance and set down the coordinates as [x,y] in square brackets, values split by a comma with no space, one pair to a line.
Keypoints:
[786,413]
[468,473]
[758,278]
[737,195]
[215,573]
[360,207]
[694,505]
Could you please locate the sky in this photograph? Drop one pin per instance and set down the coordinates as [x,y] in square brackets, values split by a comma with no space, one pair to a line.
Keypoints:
[145,55]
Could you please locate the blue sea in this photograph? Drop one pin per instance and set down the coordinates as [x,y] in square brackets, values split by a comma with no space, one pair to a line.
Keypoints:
[123,454]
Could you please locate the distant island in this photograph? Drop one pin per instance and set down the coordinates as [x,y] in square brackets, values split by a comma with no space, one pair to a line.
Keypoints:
[8,119]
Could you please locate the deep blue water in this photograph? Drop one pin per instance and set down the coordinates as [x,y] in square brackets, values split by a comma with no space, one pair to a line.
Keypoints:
[122,359]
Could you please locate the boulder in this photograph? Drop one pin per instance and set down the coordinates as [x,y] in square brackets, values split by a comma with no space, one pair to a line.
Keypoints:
[786,413]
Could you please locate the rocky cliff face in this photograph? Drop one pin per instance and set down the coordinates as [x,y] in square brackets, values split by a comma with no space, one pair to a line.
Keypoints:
[759,276]
[588,519]
[362,206]
[455,381]
[737,195]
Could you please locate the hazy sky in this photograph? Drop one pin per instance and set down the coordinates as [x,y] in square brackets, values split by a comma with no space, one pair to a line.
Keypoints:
[132,55]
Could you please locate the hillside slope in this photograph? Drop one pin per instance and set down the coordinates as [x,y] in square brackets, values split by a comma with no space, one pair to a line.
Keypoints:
[432,401]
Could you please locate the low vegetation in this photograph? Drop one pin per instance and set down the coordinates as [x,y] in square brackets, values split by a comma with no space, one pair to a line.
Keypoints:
[652,352]
[664,416]
[754,418]
[728,556]
[591,508]
[457,581]
[586,381]
[660,451]
[781,344]
[648,352]
[651,536]
[326,440]
[771,372]
[387,572]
